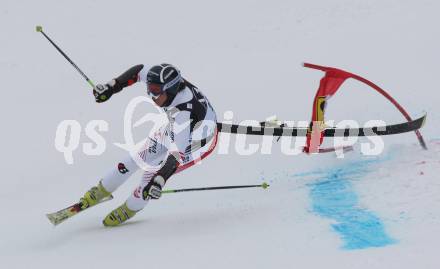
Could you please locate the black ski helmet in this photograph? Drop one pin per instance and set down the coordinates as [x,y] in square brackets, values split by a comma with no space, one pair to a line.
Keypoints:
[163,78]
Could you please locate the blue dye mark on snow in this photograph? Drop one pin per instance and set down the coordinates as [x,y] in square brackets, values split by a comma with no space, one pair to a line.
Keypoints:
[334,197]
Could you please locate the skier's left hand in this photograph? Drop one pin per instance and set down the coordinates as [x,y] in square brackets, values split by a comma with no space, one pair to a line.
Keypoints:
[155,190]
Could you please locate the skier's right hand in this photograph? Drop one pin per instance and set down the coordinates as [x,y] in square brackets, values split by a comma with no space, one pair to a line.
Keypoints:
[103,92]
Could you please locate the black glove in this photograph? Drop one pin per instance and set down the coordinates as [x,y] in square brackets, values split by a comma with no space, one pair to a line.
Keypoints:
[154,189]
[103,92]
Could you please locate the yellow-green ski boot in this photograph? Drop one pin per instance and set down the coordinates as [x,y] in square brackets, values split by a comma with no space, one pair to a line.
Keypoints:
[118,216]
[94,196]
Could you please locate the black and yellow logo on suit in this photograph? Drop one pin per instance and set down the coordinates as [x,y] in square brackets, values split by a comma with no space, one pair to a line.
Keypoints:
[320,108]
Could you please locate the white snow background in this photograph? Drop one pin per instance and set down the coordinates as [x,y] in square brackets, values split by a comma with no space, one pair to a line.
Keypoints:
[246,57]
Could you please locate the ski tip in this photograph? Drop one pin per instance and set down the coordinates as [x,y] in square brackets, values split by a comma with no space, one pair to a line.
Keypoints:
[265,185]
[39,28]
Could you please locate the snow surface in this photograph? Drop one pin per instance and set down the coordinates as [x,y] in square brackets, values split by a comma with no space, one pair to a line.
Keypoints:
[246,56]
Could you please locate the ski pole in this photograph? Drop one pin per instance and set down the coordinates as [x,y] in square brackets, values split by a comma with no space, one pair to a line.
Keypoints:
[264,186]
[40,29]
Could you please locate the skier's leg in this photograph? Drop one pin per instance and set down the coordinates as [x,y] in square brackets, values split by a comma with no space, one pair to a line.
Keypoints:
[149,188]
[154,154]
[119,174]
[109,183]
[127,210]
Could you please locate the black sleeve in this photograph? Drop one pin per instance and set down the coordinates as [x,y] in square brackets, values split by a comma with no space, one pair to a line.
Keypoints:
[169,168]
[127,78]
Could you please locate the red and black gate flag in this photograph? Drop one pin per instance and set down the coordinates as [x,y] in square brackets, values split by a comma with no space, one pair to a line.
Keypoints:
[328,86]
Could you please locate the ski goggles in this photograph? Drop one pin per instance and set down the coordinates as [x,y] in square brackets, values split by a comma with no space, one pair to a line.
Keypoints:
[154,90]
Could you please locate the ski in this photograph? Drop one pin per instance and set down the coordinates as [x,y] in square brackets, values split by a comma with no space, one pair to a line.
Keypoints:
[68,212]
[283,130]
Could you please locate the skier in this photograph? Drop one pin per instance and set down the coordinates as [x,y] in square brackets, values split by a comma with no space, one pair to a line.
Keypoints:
[171,149]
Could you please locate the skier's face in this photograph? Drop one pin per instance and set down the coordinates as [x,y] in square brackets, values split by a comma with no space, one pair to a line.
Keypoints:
[161,99]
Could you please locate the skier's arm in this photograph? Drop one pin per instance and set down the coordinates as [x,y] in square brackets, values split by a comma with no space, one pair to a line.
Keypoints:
[103,92]
[128,78]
